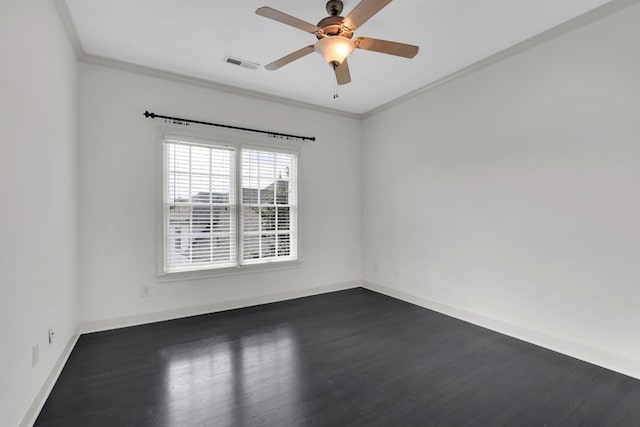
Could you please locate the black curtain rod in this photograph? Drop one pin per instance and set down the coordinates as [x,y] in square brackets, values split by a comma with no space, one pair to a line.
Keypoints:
[178,120]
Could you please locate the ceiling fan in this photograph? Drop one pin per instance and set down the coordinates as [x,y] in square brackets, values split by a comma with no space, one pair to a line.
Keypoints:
[335,35]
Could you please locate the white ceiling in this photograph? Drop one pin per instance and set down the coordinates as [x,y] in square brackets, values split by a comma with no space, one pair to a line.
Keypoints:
[192,37]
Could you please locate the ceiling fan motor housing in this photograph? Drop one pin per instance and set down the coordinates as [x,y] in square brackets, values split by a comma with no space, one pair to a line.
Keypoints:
[332,26]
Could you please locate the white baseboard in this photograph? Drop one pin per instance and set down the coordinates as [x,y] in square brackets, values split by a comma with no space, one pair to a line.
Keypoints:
[38,402]
[594,355]
[122,322]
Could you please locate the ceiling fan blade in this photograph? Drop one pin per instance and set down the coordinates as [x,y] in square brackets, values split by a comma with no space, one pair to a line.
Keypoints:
[276,15]
[290,58]
[343,76]
[363,12]
[384,46]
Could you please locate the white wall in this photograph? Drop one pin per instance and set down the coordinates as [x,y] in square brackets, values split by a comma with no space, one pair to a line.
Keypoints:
[119,199]
[39,215]
[512,194]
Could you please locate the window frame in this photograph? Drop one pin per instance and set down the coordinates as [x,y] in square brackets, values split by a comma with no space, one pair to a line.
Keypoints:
[230,139]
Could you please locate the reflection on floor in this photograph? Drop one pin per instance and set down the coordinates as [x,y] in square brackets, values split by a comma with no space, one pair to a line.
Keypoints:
[352,358]
[235,367]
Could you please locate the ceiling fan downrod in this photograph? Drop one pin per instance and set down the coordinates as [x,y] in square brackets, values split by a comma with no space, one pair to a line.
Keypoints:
[334,7]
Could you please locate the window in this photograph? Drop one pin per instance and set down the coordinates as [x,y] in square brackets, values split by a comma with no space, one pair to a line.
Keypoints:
[268,206]
[227,205]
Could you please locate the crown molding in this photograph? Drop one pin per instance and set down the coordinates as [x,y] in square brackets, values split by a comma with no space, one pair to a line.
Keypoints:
[69,26]
[573,24]
[552,33]
[88,58]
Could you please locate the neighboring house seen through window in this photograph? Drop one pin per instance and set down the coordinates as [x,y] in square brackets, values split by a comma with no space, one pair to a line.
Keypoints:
[227,206]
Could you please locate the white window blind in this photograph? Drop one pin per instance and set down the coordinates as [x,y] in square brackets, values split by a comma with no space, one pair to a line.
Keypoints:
[227,206]
[268,213]
[199,206]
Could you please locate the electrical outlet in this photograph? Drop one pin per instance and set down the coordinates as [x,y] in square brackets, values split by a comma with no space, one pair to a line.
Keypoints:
[52,335]
[35,355]
[145,291]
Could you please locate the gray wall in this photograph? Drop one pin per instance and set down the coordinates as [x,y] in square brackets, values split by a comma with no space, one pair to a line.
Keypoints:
[509,196]
[39,215]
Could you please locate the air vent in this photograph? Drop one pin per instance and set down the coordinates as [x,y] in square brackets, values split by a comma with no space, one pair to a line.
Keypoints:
[241,63]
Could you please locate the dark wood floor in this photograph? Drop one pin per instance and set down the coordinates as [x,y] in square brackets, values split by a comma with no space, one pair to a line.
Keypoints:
[351,358]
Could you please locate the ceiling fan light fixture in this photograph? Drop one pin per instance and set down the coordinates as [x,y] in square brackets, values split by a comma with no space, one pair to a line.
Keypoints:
[335,49]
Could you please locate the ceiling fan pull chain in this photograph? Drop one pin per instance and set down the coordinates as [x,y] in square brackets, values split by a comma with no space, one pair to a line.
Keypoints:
[335,89]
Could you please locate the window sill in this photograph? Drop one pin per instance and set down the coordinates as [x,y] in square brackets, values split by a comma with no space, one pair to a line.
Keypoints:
[228,271]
